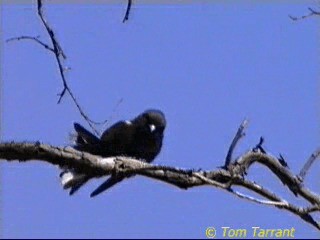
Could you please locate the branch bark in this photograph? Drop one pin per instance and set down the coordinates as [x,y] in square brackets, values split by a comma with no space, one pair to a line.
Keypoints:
[225,179]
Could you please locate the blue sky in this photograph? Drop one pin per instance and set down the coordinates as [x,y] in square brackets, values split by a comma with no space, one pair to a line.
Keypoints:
[206,66]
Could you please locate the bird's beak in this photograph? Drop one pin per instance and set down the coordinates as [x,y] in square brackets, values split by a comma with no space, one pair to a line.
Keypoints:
[152,127]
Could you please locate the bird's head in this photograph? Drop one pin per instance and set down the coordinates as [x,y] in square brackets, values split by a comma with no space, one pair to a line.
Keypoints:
[153,119]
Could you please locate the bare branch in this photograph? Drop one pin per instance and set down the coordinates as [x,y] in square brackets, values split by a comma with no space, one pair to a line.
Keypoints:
[311,13]
[126,16]
[59,55]
[96,166]
[55,43]
[308,164]
[36,39]
[260,201]
[283,173]
[56,49]
[211,182]
[240,133]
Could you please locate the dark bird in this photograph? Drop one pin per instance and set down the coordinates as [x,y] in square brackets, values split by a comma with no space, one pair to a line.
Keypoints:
[140,138]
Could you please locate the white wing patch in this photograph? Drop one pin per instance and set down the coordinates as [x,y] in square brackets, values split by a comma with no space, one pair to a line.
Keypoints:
[70,178]
[152,127]
[128,122]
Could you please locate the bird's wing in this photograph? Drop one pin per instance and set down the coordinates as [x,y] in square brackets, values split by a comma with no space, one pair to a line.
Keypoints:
[107,184]
[118,130]
[84,136]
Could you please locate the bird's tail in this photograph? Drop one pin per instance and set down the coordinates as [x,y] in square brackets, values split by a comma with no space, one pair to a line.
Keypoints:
[72,180]
[84,141]
[107,184]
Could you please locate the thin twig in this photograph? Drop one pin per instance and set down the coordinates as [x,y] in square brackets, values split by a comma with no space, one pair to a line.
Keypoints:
[55,43]
[112,113]
[126,16]
[36,39]
[58,52]
[282,203]
[312,13]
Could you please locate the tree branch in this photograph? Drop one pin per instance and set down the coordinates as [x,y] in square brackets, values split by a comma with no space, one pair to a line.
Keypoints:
[312,12]
[126,16]
[240,133]
[96,166]
[60,56]
[308,164]
[36,39]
